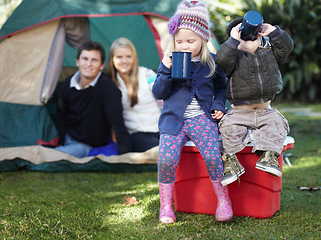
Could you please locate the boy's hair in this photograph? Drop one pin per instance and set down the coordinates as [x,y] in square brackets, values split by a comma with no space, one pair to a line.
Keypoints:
[132,84]
[91,45]
[232,25]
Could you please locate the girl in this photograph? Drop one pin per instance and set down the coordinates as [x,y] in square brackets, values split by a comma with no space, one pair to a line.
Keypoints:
[191,108]
[141,110]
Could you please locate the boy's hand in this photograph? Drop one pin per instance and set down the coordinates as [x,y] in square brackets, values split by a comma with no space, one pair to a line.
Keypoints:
[266,29]
[217,115]
[167,61]
[235,32]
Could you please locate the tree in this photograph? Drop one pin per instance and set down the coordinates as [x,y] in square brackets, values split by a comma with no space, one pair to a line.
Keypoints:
[6,8]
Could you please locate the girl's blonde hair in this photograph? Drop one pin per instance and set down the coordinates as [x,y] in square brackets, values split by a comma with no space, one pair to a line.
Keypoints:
[132,84]
[204,55]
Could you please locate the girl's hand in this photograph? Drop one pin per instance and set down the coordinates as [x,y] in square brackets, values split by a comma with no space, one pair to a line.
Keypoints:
[217,115]
[167,61]
[266,29]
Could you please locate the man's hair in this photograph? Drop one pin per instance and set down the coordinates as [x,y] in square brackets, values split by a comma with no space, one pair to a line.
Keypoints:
[91,45]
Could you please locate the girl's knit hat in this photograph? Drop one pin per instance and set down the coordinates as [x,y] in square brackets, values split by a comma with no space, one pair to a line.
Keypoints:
[191,15]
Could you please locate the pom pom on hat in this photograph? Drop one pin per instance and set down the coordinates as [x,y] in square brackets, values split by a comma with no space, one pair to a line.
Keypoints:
[173,24]
[191,15]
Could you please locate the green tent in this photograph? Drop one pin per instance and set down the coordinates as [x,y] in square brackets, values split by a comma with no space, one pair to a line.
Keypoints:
[37,51]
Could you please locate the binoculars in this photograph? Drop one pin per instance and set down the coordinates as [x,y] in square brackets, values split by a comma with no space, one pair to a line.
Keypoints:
[251,26]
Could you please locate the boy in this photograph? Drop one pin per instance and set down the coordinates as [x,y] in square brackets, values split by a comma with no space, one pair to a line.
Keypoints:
[252,69]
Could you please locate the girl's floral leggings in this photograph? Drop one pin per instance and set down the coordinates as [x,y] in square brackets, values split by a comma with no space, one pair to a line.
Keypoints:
[204,134]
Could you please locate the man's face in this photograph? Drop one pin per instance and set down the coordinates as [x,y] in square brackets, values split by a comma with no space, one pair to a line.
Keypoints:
[89,64]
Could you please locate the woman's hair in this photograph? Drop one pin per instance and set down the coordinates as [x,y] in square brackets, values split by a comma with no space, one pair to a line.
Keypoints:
[204,55]
[132,84]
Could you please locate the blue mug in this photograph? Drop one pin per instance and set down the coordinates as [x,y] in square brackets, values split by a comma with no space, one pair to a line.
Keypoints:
[251,26]
[181,65]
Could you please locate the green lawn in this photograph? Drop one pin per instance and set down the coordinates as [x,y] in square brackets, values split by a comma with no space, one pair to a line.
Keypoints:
[37,205]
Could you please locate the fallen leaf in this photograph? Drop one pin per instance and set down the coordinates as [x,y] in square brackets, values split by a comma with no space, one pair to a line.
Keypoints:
[130,200]
[310,188]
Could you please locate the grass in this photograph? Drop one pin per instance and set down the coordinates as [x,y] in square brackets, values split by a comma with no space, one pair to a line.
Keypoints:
[37,205]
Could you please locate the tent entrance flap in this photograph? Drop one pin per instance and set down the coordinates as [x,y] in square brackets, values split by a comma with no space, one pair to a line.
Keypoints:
[77,30]
[23,68]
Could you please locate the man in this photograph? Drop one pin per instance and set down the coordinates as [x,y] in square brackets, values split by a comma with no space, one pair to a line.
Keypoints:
[89,106]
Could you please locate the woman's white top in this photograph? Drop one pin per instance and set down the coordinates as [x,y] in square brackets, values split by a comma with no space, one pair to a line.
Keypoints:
[143,117]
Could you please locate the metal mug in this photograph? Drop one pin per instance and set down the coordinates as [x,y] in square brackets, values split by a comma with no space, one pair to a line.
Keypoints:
[251,26]
[181,65]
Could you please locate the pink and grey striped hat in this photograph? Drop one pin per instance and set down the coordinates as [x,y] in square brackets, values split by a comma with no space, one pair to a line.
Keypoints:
[191,15]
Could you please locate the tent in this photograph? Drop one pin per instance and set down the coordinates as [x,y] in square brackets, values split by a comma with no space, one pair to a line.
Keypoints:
[37,51]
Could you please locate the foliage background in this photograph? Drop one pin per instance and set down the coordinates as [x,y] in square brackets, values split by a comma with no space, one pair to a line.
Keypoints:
[6,8]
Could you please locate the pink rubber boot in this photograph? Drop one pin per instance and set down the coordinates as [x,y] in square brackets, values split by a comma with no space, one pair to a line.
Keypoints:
[224,211]
[166,212]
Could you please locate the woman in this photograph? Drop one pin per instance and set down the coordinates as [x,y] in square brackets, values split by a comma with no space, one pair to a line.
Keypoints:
[141,109]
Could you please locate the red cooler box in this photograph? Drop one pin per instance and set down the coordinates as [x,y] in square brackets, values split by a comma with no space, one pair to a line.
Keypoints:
[257,195]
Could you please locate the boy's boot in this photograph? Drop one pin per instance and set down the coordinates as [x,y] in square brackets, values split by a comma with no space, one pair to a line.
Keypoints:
[268,162]
[166,212]
[233,169]
[224,211]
